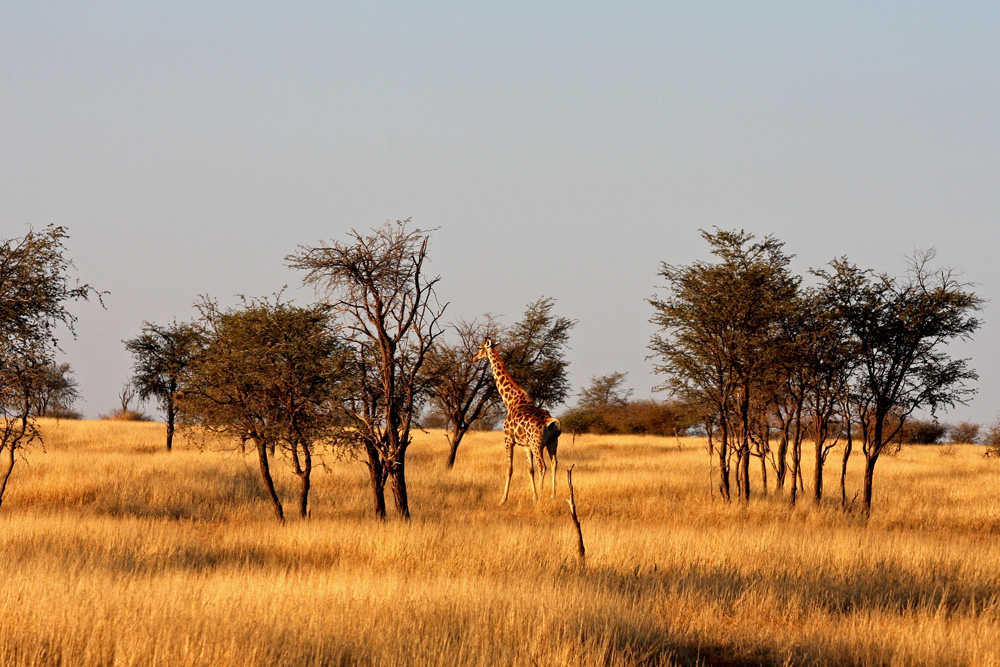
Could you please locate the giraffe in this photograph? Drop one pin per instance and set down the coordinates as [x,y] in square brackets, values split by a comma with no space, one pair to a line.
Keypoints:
[526,425]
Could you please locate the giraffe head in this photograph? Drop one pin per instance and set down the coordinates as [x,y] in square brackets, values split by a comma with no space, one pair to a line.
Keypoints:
[484,350]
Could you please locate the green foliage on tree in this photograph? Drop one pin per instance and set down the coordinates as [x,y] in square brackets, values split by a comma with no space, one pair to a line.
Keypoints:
[57,392]
[460,390]
[741,339]
[923,432]
[534,351]
[991,439]
[721,341]
[269,373]
[964,433]
[606,407]
[161,353]
[899,328]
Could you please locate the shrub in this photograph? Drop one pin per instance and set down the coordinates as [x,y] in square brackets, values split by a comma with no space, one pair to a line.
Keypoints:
[923,432]
[633,417]
[964,433]
[992,439]
[128,415]
[61,412]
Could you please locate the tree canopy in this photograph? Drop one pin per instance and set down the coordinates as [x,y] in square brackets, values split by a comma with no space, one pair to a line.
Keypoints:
[35,288]
[534,351]
[267,372]
[384,303]
[740,337]
[161,354]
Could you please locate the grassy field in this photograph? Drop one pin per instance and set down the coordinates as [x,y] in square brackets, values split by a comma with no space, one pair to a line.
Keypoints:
[114,552]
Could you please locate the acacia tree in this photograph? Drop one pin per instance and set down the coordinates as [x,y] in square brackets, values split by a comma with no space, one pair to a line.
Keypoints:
[788,402]
[692,353]
[57,391]
[460,389]
[161,354]
[720,339]
[964,433]
[898,328]
[534,352]
[270,373]
[603,406]
[606,391]
[34,288]
[388,315]
[826,365]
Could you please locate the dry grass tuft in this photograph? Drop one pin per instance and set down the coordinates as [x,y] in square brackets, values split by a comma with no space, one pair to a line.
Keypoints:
[118,553]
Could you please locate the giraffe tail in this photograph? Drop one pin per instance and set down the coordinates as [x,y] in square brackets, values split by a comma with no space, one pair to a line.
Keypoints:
[550,442]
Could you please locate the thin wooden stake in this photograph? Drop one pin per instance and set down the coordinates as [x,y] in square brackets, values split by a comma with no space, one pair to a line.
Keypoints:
[581,552]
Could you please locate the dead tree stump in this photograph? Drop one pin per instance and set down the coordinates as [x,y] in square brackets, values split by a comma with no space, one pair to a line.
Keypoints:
[581,551]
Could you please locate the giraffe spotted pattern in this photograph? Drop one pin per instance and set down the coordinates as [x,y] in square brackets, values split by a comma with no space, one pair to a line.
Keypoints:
[526,425]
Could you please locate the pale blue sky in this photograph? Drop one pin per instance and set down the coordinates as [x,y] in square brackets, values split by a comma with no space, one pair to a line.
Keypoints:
[564,149]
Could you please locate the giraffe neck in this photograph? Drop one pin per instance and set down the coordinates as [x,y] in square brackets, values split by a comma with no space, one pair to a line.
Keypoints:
[510,392]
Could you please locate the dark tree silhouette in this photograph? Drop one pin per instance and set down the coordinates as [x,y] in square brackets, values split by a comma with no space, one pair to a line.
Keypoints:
[898,329]
[376,287]
[462,390]
[161,354]
[57,392]
[720,342]
[534,352]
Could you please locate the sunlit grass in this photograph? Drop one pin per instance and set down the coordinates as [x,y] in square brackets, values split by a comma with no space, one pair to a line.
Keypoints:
[118,553]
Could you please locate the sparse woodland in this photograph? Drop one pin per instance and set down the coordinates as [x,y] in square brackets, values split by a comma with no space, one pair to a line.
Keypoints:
[127,543]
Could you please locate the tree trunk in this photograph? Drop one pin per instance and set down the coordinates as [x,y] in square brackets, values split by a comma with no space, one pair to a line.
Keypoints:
[724,464]
[796,468]
[872,452]
[869,479]
[782,468]
[7,470]
[744,453]
[802,483]
[744,463]
[305,474]
[12,440]
[170,424]
[738,473]
[265,472]
[818,472]
[453,441]
[397,482]
[454,438]
[763,473]
[377,473]
[843,466]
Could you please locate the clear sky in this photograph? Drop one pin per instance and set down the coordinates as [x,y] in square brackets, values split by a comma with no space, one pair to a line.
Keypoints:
[563,149]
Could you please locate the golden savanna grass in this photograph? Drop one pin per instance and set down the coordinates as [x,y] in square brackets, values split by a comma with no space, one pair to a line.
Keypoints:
[114,552]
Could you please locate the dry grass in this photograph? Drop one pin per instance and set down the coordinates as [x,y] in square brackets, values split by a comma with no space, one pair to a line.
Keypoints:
[117,553]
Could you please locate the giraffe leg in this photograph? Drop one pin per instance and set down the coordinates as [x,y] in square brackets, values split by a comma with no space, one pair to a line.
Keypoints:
[509,444]
[555,469]
[531,471]
[540,455]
